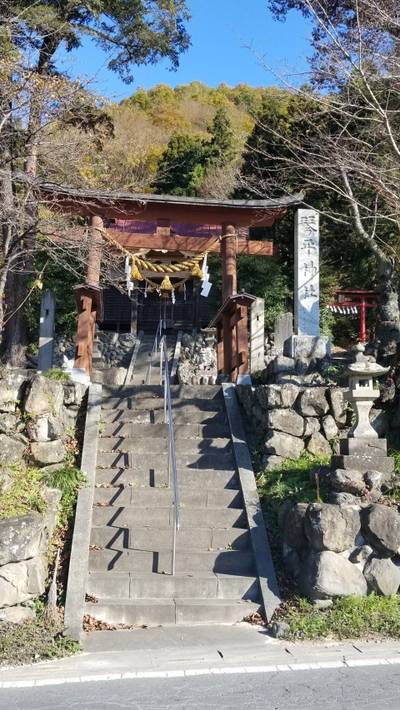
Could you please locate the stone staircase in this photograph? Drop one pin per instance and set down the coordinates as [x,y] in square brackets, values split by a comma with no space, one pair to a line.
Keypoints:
[129,579]
[141,373]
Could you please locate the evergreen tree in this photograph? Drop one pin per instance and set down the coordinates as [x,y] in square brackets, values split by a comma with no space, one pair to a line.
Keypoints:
[181,168]
[220,147]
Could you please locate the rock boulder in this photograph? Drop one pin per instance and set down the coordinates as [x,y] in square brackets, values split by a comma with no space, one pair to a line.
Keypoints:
[318,445]
[286,420]
[327,574]
[285,445]
[347,481]
[381,529]
[331,527]
[20,537]
[47,452]
[45,396]
[313,402]
[11,450]
[20,581]
[382,575]
[293,526]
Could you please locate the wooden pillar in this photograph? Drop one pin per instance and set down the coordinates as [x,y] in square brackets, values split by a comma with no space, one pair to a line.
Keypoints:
[94,253]
[87,316]
[228,255]
[229,287]
[84,336]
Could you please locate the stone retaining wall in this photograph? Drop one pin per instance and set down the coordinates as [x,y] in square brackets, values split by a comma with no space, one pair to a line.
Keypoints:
[110,349]
[37,425]
[349,545]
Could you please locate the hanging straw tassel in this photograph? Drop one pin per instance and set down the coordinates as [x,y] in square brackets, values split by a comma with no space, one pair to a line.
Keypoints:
[197,272]
[135,273]
[166,284]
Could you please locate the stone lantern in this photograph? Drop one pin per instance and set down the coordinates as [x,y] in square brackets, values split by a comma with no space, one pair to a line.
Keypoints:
[362,450]
[362,394]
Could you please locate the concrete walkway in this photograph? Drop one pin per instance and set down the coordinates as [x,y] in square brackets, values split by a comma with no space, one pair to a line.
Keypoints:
[190,651]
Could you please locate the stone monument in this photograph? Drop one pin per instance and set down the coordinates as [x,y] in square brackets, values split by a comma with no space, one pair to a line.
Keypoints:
[307,342]
[46,331]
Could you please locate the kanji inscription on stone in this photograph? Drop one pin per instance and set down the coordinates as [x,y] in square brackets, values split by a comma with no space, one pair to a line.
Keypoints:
[306,301]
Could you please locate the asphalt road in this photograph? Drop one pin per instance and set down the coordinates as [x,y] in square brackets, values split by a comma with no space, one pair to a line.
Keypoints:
[367,688]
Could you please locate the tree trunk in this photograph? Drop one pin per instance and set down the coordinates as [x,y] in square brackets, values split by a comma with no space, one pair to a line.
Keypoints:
[388,326]
[17,287]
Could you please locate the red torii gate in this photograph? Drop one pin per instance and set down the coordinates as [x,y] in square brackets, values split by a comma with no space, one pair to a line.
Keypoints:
[165,211]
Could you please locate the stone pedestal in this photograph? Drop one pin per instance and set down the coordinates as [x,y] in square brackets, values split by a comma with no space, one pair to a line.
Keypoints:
[364,455]
[307,347]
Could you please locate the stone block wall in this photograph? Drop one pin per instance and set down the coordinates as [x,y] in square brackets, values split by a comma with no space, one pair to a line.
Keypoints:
[350,543]
[295,418]
[338,550]
[198,359]
[111,349]
[37,424]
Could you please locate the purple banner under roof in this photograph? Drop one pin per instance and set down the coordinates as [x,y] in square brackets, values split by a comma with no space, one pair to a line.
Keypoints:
[185,230]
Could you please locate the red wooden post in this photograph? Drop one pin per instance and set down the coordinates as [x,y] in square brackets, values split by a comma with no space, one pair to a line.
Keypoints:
[228,254]
[363,324]
[84,335]
[229,286]
[87,316]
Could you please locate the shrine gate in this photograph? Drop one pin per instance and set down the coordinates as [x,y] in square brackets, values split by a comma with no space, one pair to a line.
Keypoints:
[165,239]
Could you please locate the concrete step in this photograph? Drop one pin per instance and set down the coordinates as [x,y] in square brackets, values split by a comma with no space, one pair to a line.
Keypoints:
[233,562]
[130,517]
[188,415]
[158,478]
[146,430]
[156,462]
[156,612]
[134,404]
[159,445]
[178,391]
[162,497]
[160,539]
[123,585]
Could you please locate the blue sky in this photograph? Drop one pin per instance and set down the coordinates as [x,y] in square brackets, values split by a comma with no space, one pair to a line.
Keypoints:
[228,39]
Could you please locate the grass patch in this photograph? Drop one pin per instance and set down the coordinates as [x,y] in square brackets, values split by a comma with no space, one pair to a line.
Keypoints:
[68,480]
[33,641]
[349,617]
[22,492]
[56,374]
[292,479]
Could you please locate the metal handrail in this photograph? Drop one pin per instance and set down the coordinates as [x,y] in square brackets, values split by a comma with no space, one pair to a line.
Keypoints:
[164,374]
[160,328]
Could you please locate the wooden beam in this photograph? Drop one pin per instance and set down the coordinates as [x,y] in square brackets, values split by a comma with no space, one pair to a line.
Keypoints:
[197,245]
[252,216]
